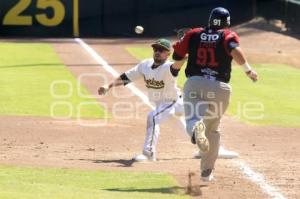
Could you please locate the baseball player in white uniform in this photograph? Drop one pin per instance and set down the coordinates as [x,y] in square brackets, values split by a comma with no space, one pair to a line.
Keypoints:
[160,81]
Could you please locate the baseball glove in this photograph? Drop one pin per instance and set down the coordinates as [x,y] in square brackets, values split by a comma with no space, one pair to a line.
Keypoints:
[181,32]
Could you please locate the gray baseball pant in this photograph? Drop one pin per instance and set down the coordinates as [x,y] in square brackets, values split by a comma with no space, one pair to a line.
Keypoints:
[206,100]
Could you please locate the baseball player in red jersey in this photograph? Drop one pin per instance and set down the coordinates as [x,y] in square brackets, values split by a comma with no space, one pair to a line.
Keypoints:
[207,91]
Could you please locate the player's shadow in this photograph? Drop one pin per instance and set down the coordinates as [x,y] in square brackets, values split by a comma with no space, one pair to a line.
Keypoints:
[124,162]
[120,162]
[165,190]
[194,191]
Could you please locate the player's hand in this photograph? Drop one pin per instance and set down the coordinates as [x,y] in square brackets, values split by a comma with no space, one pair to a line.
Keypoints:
[181,32]
[252,75]
[103,90]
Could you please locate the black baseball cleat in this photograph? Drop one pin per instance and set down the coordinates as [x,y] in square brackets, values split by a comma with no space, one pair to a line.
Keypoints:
[193,140]
[207,175]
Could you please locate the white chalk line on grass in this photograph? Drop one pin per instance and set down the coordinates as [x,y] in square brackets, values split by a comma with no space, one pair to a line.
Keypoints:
[112,71]
[247,171]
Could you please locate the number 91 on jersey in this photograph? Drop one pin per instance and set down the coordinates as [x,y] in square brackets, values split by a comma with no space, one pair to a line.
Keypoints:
[38,17]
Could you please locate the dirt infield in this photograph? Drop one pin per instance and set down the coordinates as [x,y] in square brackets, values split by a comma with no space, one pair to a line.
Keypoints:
[271,151]
[267,43]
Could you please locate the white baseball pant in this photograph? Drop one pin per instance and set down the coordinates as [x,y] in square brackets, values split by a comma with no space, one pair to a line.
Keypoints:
[155,118]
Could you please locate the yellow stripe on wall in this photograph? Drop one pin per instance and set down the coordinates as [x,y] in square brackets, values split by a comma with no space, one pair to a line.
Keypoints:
[76,18]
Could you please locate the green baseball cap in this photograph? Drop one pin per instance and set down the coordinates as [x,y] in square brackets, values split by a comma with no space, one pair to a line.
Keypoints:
[164,43]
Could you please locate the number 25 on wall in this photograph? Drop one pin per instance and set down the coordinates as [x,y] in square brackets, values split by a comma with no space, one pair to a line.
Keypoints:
[14,16]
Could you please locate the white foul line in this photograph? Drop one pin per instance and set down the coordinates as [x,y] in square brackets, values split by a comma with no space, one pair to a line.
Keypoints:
[255,177]
[112,71]
[258,179]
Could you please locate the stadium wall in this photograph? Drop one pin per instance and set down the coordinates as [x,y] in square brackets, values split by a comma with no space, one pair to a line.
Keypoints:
[286,10]
[111,18]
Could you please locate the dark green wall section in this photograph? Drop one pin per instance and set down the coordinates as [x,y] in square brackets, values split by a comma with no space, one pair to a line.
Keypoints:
[36,18]
[117,18]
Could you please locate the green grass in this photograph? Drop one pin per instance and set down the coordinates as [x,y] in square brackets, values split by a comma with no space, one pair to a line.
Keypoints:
[37,183]
[26,74]
[277,92]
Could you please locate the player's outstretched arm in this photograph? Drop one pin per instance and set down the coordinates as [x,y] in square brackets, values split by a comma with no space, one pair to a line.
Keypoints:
[122,80]
[178,63]
[105,88]
[240,59]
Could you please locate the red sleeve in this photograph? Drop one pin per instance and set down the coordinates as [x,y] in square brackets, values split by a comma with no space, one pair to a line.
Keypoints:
[181,47]
[230,36]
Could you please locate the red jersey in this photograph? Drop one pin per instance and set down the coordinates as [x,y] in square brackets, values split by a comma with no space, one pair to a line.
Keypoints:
[209,52]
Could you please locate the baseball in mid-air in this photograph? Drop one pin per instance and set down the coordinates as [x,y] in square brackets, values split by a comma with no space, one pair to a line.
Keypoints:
[139,29]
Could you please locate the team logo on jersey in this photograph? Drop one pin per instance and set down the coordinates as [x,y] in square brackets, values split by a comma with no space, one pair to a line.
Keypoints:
[209,37]
[209,71]
[152,83]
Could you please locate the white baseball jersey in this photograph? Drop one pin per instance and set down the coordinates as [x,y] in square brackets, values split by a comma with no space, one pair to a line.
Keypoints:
[160,82]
